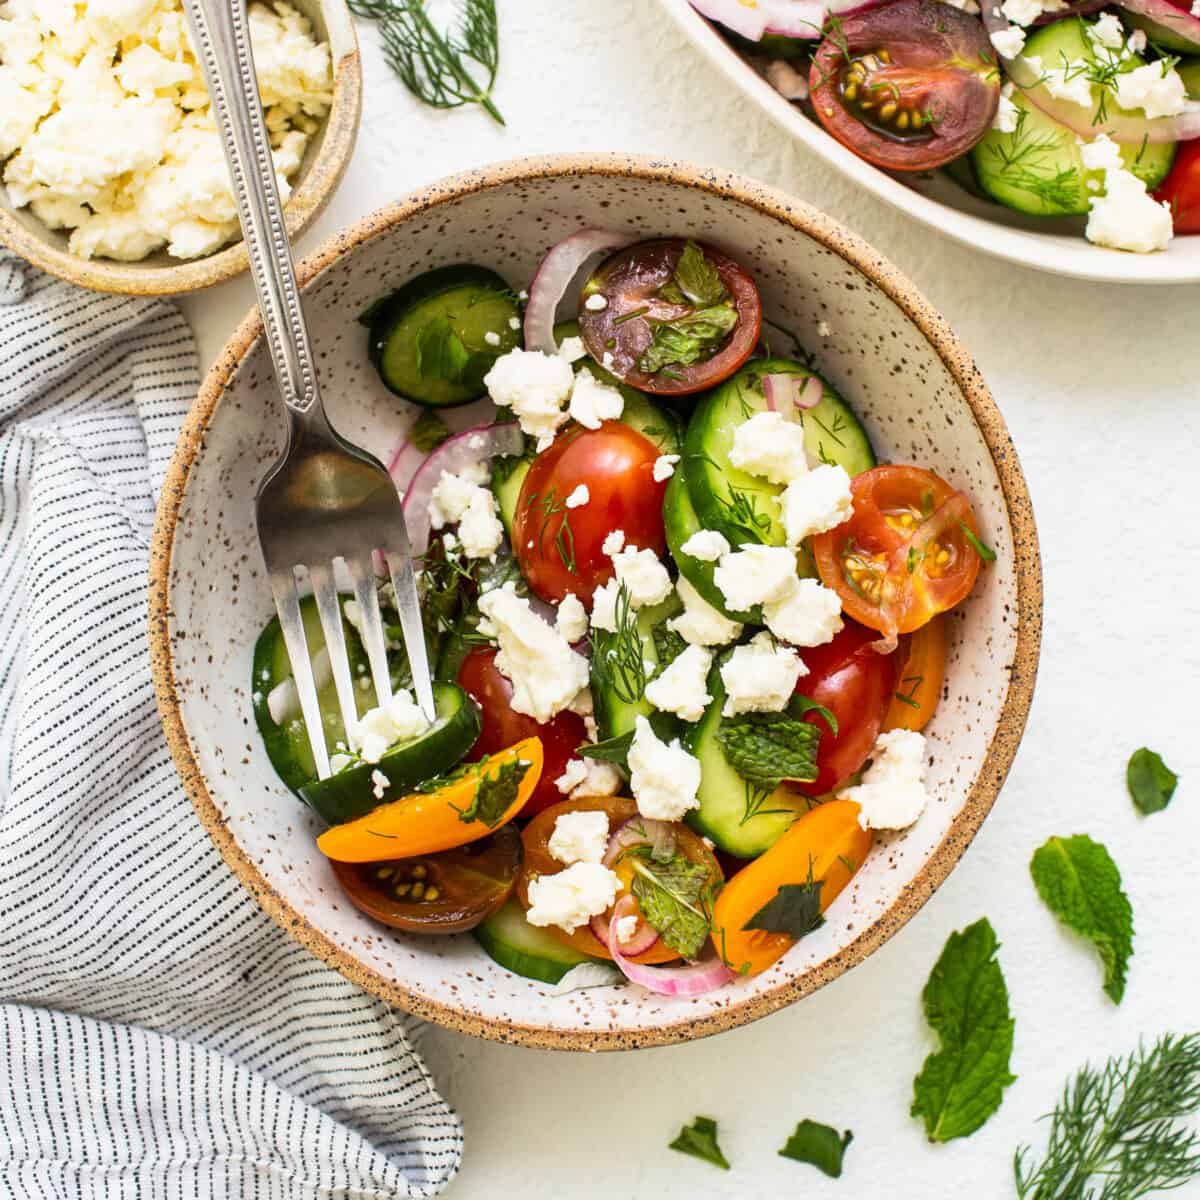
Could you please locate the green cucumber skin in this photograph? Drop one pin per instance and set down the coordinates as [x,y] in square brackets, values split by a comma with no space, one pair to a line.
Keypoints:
[1160,35]
[832,433]
[351,793]
[525,949]
[395,321]
[508,491]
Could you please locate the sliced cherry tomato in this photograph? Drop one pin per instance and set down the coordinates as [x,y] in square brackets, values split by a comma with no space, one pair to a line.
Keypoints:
[437,893]
[560,549]
[909,552]
[480,678]
[919,678]
[632,283]
[1181,188]
[907,86]
[427,822]
[539,861]
[856,684]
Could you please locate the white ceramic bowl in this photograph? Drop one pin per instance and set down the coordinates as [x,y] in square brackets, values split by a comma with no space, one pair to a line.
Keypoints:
[1056,245]
[888,352]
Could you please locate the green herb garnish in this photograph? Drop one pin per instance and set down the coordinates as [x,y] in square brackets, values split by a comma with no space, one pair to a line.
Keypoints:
[428,432]
[440,351]
[668,646]
[687,339]
[1081,885]
[494,794]
[673,896]
[820,1145]
[767,748]
[699,1139]
[1150,781]
[613,750]
[795,909]
[618,658]
[982,549]
[966,1003]
[695,280]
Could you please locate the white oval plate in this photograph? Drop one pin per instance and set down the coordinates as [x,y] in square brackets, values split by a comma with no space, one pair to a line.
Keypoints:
[1056,245]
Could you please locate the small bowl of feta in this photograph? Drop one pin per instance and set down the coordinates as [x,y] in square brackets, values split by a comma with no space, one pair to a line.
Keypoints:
[732,596]
[112,174]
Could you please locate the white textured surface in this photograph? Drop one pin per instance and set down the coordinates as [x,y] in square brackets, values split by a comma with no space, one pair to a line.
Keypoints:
[1099,386]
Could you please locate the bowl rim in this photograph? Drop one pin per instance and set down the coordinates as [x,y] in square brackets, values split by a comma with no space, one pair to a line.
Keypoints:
[1028,576]
[304,205]
[1036,251]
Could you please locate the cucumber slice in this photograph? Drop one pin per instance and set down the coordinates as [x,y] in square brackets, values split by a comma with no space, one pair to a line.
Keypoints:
[1189,72]
[1160,35]
[525,949]
[740,820]
[287,744]
[508,476]
[619,697]
[351,793]
[744,507]
[435,339]
[1038,168]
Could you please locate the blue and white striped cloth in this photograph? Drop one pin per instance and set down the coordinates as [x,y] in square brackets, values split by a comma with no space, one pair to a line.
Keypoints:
[160,1038]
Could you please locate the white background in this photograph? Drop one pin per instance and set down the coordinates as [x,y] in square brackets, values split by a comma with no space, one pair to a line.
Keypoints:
[1099,387]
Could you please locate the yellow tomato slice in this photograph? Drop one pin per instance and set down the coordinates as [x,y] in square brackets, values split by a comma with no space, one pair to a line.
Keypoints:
[920,678]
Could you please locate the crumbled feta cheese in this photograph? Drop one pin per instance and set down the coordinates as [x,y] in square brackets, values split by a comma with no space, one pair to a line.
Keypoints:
[607,361]
[452,495]
[514,323]
[786,80]
[604,606]
[579,497]
[379,783]
[593,402]
[573,896]
[624,928]
[1008,116]
[700,624]
[1126,216]
[545,672]
[769,446]
[379,729]
[572,349]
[1157,92]
[1069,82]
[1137,41]
[818,500]
[892,792]
[760,676]
[535,386]
[613,542]
[824,330]
[1026,12]
[1009,42]
[571,619]
[753,575]
[492,338]
[805,613]
[664,778]
[642,575]
[681,689]
[481,531]
[596,302]
[574,773]
[707,545]
[603,779]
[1106,31]
[579,837]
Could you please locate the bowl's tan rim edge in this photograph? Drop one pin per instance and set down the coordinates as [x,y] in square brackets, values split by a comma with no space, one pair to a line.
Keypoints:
[305,204]
[1014,712]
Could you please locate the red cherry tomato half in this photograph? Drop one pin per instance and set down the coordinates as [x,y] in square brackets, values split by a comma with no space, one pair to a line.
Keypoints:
[907,86]
[632,284]
[560,549]
[1181,188]
[856,684]
[480,678]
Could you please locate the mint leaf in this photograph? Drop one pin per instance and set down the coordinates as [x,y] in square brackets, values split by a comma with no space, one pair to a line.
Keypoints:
[1081,886]
[795,909]
[1150,781]
[672,896]
[699,1139]
[684,340]
[966,1003]
[668,646]
[766,748]
[613,750]
[428,432]
[440,351]
[494,794]
[820,1145]
[695,280]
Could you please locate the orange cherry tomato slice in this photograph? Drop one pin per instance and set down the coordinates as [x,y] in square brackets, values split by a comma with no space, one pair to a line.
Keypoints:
[826,844]
[922,671]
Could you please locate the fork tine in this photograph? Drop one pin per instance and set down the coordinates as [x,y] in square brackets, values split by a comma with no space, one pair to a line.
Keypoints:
[287,605]
[400,569]
[362,572]
[326,595]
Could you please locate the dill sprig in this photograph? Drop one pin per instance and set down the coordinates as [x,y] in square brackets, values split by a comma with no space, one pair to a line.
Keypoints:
[433,63]
[1118,1131]
[618,657]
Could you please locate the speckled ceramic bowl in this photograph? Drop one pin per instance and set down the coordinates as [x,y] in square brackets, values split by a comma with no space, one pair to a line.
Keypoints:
[160,275]
[886,349]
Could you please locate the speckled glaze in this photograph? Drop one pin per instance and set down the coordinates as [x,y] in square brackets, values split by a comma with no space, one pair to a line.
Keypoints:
[889,353]
[320,173]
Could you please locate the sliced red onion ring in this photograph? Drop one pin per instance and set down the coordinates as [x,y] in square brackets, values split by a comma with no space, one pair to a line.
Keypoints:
[780,18]
[1175,20]
[811,394]
[555,272]
[785,393]
[481,443]
[643,938]
[693,979]
[640,831]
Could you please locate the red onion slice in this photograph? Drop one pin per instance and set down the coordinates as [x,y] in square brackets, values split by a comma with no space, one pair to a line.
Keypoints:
[811,394]
[1175,20]
[693,979]
[640,831]
[554,274]
[780,18]
[785,393]
[644,936]
[481,443]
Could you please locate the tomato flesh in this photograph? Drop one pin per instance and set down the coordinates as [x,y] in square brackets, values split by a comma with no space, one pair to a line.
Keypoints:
[560,549]
[907,86]
[919,677]
[1181,188]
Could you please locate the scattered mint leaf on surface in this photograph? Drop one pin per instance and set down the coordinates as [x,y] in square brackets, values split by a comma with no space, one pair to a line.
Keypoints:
[1081,885]
[1150,781]
[440,351]
[495,793]
[673,897]
[1119,1131]
[695,280]
[820,1145]
[699,1139]
[428,432]
[687,339]
[795,910]
[766,748]
[966,1003]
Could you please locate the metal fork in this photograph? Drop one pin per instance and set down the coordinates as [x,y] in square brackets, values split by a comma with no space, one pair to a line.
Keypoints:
[325,498]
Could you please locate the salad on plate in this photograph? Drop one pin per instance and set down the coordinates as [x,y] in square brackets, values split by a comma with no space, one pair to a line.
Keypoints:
[1052,108]
[686,628]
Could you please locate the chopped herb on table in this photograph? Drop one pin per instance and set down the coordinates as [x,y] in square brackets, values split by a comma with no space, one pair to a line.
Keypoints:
[1150,781]
[820,1145]
[699,1139]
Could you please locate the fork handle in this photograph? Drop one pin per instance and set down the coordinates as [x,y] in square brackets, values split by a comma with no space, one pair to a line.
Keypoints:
[221,33]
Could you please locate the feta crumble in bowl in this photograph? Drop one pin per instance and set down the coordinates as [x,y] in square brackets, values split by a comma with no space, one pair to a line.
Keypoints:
[652,665]
[145,208]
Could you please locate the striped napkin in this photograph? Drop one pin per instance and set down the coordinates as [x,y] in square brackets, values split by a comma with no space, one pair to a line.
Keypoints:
[160,1038]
